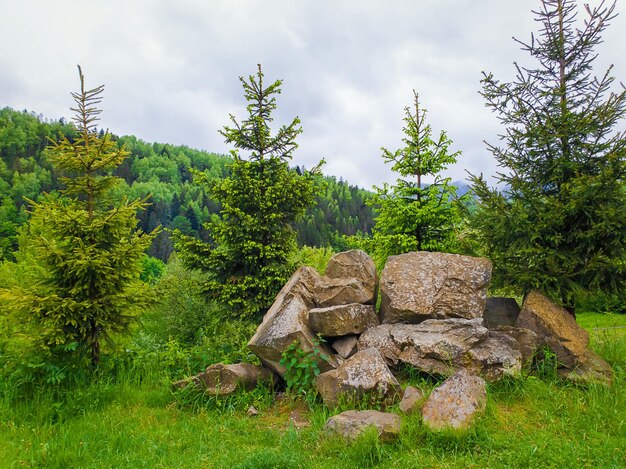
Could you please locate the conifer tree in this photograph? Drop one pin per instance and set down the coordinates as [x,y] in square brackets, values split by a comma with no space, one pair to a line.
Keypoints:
[560,225]
[87,246]
[414,216]
[248,259]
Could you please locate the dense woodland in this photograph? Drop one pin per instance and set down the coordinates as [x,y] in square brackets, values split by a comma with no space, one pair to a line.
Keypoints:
[165,172]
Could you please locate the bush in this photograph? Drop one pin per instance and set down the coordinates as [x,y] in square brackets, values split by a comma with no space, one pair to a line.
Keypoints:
[315,257]
[182,312]
[601,302]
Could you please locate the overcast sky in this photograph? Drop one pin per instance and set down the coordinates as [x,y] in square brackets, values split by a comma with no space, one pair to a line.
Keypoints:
[171,68]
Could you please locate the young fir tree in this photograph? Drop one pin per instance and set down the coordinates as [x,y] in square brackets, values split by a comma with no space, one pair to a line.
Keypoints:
[253,240]
[87,246]
[412,215]
[560,224]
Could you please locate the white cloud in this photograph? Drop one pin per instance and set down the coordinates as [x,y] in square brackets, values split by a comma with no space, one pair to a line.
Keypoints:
[171,68]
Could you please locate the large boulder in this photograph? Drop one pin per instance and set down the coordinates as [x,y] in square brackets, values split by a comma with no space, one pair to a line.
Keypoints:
[365,373]
[555,328]
[526,339]
[352,423]
[500,312]
[350,277]
[456,403]
[342,320]
[222,380]
[497,356]
[353,264]
[343,291]
[434,346]
[288,321]
[429,285]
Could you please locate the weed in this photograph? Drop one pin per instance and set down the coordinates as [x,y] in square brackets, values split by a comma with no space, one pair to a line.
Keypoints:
[302,367]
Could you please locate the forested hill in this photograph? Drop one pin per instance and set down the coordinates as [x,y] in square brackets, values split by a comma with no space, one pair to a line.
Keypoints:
[163,170]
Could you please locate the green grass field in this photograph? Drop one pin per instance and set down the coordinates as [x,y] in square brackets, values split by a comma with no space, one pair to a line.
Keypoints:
[135,421]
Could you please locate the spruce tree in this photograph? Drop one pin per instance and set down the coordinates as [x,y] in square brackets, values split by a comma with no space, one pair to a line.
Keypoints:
[413,215]
[252,241]
[87,246]
[560,224]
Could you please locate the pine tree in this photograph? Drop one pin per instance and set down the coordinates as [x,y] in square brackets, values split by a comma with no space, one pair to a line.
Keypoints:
[87,246]
[253,239]
[560,224]
[412,215]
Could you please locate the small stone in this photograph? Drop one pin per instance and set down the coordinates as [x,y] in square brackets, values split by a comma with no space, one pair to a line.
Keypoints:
[252,411]
[345,346]
[352,423]
[343,291]
[222,380]
[497,356]
[526,339]
[298,420]
[411,400]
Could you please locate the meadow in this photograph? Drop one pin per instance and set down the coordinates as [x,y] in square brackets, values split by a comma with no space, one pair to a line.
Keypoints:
[129,417]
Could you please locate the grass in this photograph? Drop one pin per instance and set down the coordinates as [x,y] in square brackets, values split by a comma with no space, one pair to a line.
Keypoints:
[602,324]
[128,422]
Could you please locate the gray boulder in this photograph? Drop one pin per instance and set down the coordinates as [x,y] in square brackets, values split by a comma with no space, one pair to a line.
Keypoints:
[222,380]
[456,403]
[288,321]
[343,291]
[353,264]
[345,346]
[497,356]
[352,423]
[500,312]
[592,370]
[350,277]
[428,285]
[411,400]
[365,373]
[434,346]
[342,320]
[526,339]
[555,328]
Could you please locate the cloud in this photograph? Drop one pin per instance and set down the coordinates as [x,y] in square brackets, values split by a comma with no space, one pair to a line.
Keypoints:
[171,69]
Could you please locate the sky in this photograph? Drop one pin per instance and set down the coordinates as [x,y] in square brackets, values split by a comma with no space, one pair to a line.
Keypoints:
[171,69]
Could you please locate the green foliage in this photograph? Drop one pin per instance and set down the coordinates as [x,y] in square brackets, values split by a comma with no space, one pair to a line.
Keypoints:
[86,246]
[339,210]
[413,216]
[560,224]
[601,302]
[302,367]
[151,269]
[253,239]
[314,257]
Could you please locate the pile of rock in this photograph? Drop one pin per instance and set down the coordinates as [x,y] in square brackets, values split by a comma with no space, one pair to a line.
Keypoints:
[434,316]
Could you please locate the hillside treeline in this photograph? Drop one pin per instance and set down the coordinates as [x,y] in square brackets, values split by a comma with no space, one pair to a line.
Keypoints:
[165,173]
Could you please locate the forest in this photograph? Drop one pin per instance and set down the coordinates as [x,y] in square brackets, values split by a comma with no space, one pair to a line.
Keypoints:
[164,172]
[126,266]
